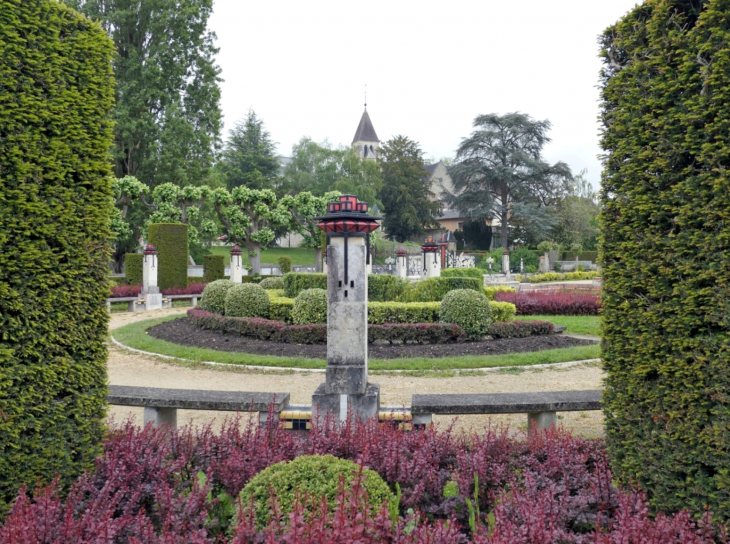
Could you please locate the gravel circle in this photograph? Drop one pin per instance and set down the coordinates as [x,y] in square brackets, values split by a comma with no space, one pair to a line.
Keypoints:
[183,332]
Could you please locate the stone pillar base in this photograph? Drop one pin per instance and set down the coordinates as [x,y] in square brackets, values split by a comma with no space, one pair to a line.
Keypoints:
[347,379]
[361,407]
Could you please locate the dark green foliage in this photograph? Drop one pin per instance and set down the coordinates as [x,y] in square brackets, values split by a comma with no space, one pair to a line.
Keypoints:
[310,306]
[247,300]
[249,157]
[171,241]
[665,245]
[477,234]
[529,258]
[314,475]
[214,296]
[284,263]
[294,283]
[133,268]
[385,287]
[463,273]
[56,95]
[434,289]
[405,194]
[403,312]
[214,268]
[583,256]
[469,309]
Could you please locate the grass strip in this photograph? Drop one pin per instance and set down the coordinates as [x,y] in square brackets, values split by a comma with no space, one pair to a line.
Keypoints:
[134,335]
[577,324]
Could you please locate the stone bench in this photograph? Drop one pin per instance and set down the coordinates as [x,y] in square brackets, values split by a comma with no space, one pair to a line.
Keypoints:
[541,407]
[161,405]
[135,303]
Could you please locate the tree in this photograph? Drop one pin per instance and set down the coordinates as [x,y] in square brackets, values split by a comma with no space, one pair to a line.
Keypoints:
[499,173]
[127,191]
[577,216]
[250,217]
[167,115]
[249,156]
[665,240]
[303,208]
[320,169]
[408,203]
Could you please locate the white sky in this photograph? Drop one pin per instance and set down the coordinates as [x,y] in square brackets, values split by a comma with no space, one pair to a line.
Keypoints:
[430,68]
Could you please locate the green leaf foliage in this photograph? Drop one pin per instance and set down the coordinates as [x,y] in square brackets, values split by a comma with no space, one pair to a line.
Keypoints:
[434,289]
[275,282]
[463,273]
[665,224]
[295,283]
[214,267]
[402,312]
[469,309]
[284,263]
[171,241]
[133,263]
[214,296]
[490,291]
[280,307]
[56,97]
[310,306]
[314,475]
[247,300]
[384,287]
[249,157]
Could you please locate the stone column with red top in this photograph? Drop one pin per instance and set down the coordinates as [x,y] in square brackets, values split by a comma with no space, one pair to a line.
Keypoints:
[431,259]
[401,264]
[236,267]
[346,390]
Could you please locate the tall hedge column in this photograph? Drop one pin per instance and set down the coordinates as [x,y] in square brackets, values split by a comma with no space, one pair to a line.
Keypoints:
[665,247]
[171,241]
[56,94]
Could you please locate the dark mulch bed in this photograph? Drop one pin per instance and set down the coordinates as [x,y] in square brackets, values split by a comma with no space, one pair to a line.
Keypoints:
[181,331]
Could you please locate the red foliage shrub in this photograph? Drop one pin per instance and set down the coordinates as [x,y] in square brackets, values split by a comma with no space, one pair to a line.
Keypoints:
[552,303]
[191,289]
[120,291]
[154,486]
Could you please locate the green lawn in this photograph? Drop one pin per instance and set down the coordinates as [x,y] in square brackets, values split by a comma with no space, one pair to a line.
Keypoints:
[134,336]
[299,256]
[577,324]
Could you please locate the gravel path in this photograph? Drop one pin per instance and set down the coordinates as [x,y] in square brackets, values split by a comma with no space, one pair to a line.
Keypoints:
[127,368]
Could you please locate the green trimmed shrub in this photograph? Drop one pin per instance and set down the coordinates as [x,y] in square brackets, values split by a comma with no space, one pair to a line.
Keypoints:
[491,291]
[284,263]
[247,300]
[214,296]
[276,293]
[502,311]
[171,241]
[214,268]
[664,252]
[463,273]
[434,289]
[200,279]
[133,263]
[295,283]
[310,306]
[402,312]
[315,475]
[385,287]
[469,309]
[56,98]
[276,282]
[280,308]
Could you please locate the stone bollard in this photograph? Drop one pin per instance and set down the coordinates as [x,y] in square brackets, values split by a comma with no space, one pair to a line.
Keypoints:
[505,263]
[401,264]
[346,390]
[150,291]
[236,267]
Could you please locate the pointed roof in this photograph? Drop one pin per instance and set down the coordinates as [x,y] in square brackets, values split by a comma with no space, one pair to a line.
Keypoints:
[365,131]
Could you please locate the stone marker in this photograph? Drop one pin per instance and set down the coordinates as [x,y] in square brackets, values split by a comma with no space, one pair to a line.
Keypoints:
[346,389]
[150,291]
[401,264]
[236,265]
[431,259]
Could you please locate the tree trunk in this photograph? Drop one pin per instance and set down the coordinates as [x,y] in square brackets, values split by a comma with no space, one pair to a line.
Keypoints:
[504,231]
[318,259]
[254,261]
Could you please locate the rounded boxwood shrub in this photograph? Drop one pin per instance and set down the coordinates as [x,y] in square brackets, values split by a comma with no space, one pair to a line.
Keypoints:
[214,296]
[247,300]
[310,306]
[469,309]
[272,283]
[314,475]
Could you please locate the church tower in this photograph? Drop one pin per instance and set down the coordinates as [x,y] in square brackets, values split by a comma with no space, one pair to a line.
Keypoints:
[366,142]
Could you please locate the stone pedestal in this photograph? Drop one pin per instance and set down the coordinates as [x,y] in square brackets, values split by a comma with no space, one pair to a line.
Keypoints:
[432,266]
[505,263]
[401,266]
[236,268]
[150,291]
[346,387]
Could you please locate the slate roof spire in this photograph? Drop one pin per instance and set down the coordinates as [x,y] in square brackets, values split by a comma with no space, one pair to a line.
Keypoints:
[365,131]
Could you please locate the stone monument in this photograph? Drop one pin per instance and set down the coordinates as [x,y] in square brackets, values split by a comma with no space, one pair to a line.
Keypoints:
[346,389]
[150,293]
[401,264]
[431,259]
[236,265]
[505,263]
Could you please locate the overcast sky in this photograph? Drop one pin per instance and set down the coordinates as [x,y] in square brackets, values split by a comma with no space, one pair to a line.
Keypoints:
[430,68]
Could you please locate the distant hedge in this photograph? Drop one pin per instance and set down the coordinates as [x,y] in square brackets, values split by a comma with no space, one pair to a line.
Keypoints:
[462,273]
[434,289]
[214,267]
[296,282]
[133,268]
[584,256]
[665,223]
[385,287]
[171,241]
[56,95]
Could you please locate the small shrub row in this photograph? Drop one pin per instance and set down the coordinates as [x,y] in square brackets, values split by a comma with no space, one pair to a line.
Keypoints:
[191,289]
[434,289]
[385,287]
[463,273]
[421,333]
[558,276]
[502,311]
[538,303]
[123,291]
[490,291]
[521,329]
[296,282]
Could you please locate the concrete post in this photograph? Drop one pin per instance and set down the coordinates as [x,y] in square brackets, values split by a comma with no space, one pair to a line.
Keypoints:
[160,416]
[433,265]
[236,265]
[150,291]
[539,421]
[505,263]
[401,264]
[346,389]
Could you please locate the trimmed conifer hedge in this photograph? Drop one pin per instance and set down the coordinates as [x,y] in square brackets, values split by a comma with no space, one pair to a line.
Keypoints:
[133,263]
[214,267]
[56,95]
[171,241]
[665,246]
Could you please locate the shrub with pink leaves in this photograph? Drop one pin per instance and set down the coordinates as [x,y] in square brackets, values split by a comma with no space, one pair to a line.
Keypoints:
[122,291]
[191,289]
[154,486]
[552,303]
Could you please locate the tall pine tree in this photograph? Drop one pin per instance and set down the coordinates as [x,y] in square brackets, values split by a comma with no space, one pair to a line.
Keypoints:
[249,158]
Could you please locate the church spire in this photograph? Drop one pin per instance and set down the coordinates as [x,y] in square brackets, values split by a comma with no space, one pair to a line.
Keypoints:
[365,131]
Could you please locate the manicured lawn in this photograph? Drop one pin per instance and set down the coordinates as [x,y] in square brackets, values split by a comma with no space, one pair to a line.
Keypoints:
[134,336]
[298,255]
[577,324]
